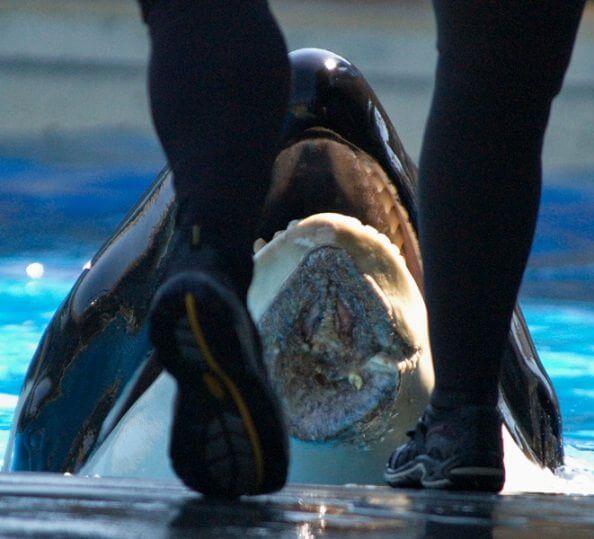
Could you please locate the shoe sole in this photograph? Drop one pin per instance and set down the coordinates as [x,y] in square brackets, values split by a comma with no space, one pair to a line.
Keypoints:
[429,473]
[228,438]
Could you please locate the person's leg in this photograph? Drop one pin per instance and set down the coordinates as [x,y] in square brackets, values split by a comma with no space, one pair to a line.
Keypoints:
[219,87]
[500,66]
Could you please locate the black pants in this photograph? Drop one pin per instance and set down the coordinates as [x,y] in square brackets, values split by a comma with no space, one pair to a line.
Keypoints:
[501,63]
[219,84]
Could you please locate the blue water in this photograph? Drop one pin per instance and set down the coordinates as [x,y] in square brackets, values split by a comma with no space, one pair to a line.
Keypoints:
[58,212]
[564,336]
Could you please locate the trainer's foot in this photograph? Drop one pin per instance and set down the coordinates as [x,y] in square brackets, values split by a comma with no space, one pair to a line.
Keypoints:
[228,436]
[457,449]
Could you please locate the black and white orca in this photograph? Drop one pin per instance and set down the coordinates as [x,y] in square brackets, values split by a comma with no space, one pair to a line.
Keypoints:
[337,296]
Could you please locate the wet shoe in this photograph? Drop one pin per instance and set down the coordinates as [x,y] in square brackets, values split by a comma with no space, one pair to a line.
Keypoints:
[228,436]
[457,449]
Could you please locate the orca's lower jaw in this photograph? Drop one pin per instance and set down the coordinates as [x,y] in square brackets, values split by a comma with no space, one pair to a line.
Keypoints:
[334,295]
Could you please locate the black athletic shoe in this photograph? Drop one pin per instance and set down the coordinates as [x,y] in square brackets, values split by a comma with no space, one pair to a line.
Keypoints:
[228,435]
[458,449]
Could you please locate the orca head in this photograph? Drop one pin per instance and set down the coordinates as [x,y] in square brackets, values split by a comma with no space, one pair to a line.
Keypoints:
[337,284]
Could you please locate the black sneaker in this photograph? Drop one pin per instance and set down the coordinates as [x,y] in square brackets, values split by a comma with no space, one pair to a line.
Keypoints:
[458,449]
[228,435]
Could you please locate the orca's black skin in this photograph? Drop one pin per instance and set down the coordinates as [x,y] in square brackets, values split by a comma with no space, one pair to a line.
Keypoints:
[97,343]
[330,92]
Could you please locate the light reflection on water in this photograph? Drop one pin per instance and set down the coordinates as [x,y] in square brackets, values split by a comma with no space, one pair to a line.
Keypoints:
[563,333]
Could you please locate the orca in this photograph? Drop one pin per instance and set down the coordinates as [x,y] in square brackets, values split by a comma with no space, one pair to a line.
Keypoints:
[337,297]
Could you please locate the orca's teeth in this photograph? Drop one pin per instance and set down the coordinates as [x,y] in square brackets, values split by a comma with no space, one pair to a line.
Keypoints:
[261,242]
[396,231]
[258,244]
[377,184]
[355,380]
[386,200]
[388,196]
[409,364]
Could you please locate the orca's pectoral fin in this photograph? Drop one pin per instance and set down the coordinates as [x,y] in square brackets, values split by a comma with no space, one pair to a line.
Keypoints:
[147,372]
[528,400]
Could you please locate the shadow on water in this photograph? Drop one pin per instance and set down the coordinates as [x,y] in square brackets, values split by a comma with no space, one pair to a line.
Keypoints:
[308,512]
[402,514]
[212,518]
[50,505]
[467,517]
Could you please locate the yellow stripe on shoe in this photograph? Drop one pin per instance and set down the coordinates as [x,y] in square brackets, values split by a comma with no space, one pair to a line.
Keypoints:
[214,387]
[246,417]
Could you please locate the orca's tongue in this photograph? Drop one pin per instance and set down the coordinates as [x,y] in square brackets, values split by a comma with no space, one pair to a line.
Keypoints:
[339,316]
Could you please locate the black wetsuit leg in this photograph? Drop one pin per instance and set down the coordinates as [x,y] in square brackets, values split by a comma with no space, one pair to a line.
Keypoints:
[500,66]
[219,86]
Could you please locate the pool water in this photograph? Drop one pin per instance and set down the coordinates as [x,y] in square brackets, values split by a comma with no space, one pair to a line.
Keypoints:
[564,336]
[26,307]
[563,332]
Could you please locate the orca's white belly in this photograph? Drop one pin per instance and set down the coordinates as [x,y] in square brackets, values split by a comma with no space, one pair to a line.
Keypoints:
[138,447]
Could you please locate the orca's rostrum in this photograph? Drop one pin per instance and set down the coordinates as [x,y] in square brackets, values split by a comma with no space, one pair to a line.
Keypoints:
[337,296]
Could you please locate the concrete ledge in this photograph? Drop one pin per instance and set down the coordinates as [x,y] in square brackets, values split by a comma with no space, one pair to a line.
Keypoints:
[50,505]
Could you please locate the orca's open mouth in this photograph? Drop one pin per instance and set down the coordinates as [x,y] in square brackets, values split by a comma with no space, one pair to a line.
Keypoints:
[341,316]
